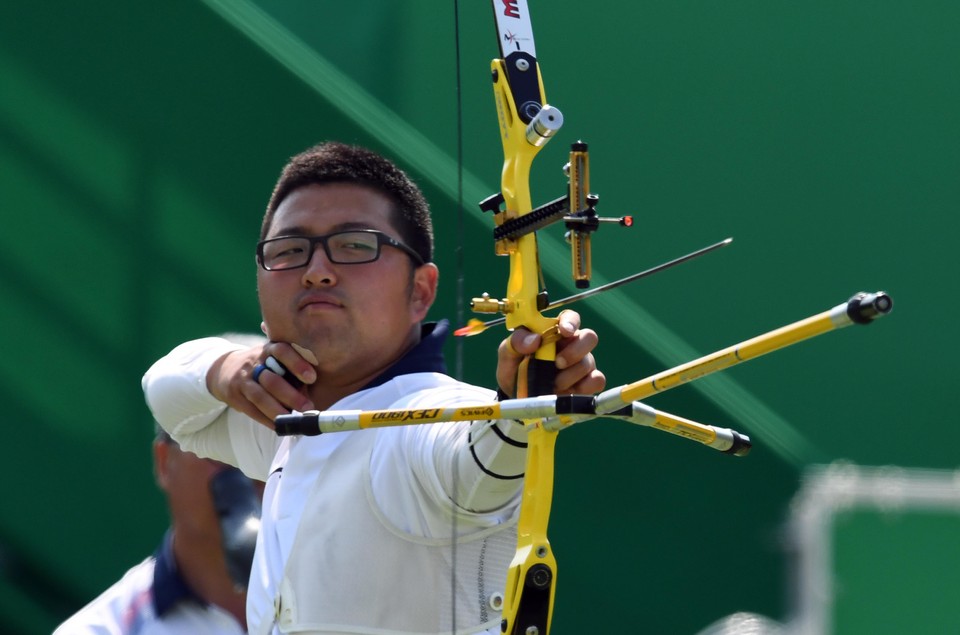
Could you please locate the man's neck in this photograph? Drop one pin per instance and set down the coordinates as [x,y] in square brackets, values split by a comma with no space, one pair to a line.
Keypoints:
[202,566]
[333,385]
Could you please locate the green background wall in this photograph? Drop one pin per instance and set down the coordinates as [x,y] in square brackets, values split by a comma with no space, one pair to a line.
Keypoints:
[139,143]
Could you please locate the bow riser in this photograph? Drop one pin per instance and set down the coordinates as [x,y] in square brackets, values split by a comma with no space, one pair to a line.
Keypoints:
[519,153]
[529,594]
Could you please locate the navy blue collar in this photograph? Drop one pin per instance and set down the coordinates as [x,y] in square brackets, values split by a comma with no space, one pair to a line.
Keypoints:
[169,587]
[425,357]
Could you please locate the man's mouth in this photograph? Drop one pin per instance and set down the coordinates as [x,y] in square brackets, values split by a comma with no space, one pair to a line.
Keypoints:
[319,301]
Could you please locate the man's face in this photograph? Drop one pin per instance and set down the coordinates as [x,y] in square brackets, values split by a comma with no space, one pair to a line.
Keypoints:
[356,318]
[185,480]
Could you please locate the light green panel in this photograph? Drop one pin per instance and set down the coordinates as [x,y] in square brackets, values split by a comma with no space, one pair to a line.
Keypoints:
[895,571]
[72,146]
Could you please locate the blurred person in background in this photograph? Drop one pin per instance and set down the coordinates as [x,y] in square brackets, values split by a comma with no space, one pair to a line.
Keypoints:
[195,583]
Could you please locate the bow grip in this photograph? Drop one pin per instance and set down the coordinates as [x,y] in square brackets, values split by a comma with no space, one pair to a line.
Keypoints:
[536,377]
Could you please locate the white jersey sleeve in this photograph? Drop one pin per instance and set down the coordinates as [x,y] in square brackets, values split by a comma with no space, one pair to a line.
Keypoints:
[176,391]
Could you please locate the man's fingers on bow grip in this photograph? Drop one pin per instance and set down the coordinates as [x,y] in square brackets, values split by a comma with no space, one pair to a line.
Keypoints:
[589,385]
[571,350]
[509,355]
[581,379]
[568,322]
[521,342]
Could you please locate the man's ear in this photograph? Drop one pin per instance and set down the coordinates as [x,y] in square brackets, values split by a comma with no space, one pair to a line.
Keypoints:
[161,453]
[424,291]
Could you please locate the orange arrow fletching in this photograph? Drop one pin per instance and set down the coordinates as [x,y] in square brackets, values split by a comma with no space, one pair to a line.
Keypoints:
[473,327]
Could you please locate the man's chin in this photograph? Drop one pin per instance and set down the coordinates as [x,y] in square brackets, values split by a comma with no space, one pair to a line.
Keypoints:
[320,340]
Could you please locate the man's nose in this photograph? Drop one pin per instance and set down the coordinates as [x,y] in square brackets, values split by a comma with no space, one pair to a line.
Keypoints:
[319,269]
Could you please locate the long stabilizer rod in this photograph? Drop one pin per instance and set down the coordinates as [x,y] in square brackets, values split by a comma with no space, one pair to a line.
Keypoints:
[862,308]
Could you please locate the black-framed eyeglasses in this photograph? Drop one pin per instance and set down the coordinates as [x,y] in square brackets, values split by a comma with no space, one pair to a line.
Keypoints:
[352,247]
